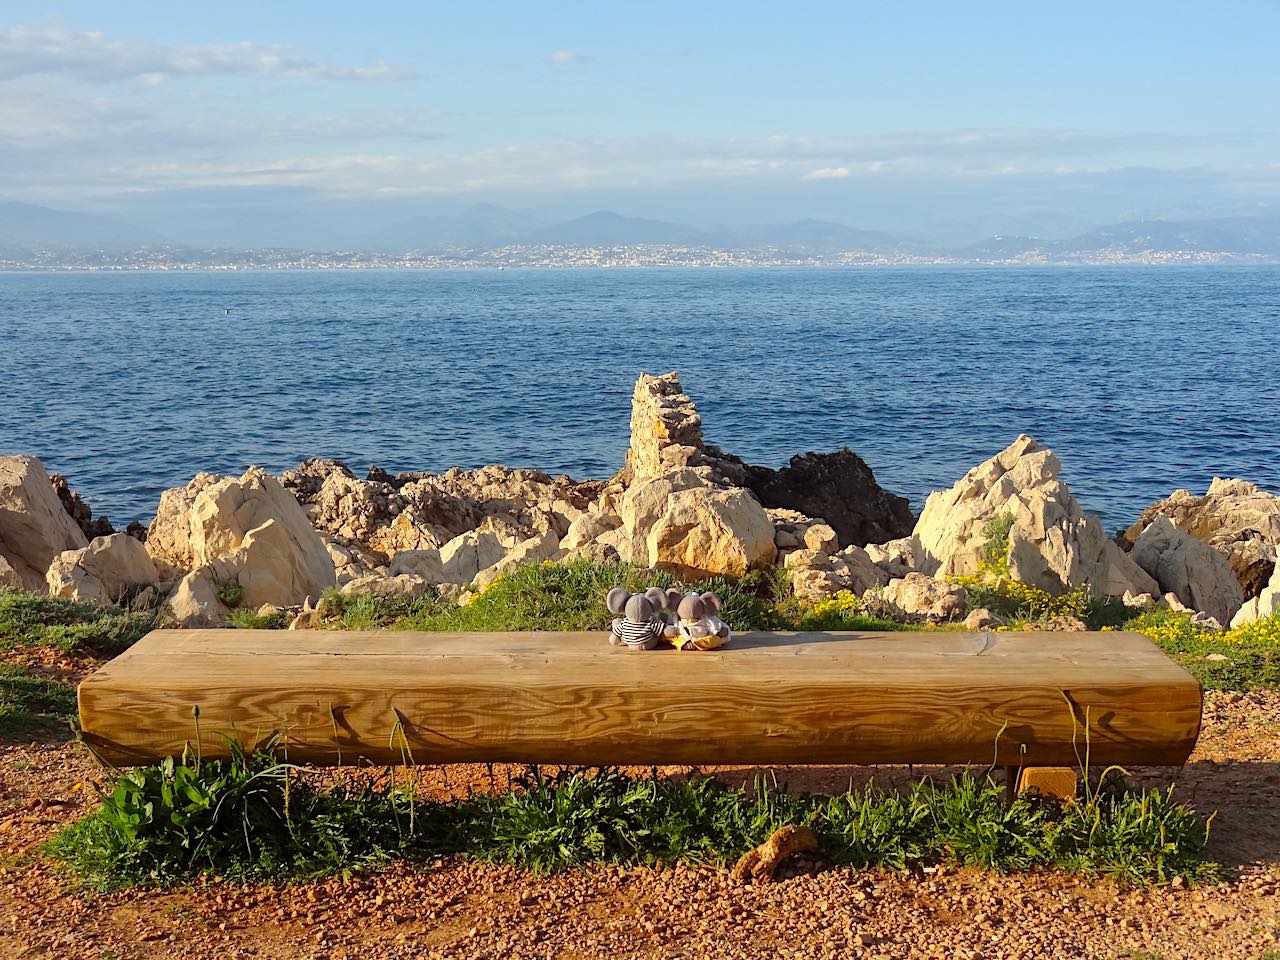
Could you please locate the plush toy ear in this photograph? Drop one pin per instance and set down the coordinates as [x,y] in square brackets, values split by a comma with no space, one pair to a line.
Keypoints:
[673,599]
[657,596]
[711,602]
[691,607]
[616,601]
[639,608]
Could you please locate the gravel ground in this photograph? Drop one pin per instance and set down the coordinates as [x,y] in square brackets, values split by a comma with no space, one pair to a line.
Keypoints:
[458,909]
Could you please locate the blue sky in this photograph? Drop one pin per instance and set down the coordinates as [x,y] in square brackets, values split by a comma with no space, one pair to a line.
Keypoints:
[902,115]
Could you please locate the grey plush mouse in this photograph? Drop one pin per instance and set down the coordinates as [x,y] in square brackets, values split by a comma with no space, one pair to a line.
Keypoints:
[640,626]
[665,603]
[700,626]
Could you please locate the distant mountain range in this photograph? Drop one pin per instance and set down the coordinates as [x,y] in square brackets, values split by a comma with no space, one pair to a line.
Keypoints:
[26,227]
[1241,236]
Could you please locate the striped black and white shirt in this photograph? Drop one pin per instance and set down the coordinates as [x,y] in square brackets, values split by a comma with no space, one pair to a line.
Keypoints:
[637,636]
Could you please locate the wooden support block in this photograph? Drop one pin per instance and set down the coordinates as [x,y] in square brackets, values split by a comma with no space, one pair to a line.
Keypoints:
[1051,783]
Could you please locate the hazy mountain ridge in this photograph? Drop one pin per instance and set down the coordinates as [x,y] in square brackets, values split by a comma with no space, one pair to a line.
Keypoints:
[1256,236]
[24,225]
[25,228]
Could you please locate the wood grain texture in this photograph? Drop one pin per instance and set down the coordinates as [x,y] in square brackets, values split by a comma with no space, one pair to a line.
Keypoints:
[1052,783]
[1017,699]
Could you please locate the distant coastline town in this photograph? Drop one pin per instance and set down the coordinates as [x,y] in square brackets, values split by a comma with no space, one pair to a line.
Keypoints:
[167,259]
[34,238]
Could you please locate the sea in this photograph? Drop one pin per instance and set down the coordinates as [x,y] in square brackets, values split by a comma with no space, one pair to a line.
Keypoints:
[1141,379]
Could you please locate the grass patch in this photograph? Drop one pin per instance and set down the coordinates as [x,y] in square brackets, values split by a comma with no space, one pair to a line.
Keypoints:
[1252,652]
[27,619]
[561,596]
[255,819]
[30,702]
[248,620]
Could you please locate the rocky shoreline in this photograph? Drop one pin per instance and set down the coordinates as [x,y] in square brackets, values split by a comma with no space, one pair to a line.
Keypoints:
[276,544]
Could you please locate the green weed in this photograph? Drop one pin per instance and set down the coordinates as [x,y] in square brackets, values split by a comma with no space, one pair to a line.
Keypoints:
[995,551]
[256,818]
[230,593]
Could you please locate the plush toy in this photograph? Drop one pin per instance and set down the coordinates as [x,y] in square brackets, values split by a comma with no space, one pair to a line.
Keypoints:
[665,603]
[640,626]
[699,626]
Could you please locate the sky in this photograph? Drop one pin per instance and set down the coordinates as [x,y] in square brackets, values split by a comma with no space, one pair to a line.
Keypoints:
[932,119]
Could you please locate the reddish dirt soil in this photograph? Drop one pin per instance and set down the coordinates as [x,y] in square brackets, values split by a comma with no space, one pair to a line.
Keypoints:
[458,909]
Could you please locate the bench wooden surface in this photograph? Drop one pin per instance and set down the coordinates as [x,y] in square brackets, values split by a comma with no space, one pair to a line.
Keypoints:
[1015,699]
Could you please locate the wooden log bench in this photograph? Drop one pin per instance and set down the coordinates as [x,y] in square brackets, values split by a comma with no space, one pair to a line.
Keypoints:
[1020,700]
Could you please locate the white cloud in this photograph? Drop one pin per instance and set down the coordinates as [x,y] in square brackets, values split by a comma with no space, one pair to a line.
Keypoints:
[54,50]
[827,173]
[51,145]
[564,57]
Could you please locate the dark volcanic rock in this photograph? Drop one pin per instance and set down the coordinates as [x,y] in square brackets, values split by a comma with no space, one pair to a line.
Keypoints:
[78,510]
[840,488]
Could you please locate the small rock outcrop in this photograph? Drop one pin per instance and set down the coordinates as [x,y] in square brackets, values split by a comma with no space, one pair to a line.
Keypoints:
[540,549]
[250,544]
[1053,543]
[169,534]
[841,489]
[78,510]
[706,531]
[1199,576]
[1265,604]
[421,511]
[458,561]
[1234,517]
[34,526]
[401,587]
[815,573]
[688,507]
[897,558]
[666,430]
[109,570]
[921,598]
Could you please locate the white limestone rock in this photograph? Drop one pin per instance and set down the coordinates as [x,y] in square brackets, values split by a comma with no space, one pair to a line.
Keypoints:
[919,597]
[34,526]
[1199,576]
[106,571]
[1053,544]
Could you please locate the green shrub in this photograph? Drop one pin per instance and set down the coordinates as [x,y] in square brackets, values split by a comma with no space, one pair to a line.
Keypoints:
[248,620]
[230,594]
[995,551]
[27,619]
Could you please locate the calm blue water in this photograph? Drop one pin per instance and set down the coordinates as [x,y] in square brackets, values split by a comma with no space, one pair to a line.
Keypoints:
[1142,379]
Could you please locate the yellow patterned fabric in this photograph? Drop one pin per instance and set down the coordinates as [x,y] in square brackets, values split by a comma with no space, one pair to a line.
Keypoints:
[690,636]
